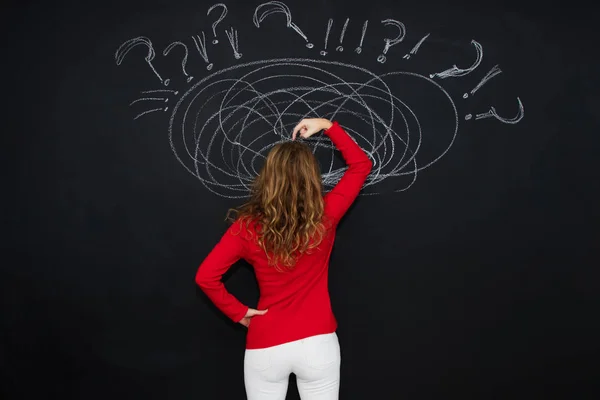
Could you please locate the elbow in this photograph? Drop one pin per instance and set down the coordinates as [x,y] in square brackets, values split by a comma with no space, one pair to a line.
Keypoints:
[201,279]
[366,166]
[362,168]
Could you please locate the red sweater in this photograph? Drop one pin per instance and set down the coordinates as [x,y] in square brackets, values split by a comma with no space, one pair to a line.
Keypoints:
[297,300]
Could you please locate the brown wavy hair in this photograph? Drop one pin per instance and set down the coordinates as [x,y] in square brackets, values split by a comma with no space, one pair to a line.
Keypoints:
[286,204]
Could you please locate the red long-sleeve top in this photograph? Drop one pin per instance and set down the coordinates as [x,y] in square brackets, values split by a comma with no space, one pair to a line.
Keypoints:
[298,299]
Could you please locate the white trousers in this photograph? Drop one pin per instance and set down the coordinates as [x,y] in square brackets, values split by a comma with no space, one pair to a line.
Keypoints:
[314,360]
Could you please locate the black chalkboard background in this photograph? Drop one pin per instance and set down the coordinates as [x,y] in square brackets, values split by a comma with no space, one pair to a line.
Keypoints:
[478,281]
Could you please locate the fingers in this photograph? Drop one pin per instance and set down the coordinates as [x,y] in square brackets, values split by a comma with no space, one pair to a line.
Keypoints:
[301,124]
[252,312]
[302,128]
[306,128]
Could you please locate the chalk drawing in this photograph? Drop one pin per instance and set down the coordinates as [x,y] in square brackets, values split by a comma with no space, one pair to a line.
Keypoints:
[416,48]
[272,7]
[329,25]
[124,49]
[221,18]
[358,50]
[200,42]
[492,113]
[392,42]
[222,126]
[233,41]
[153,99]
[492,73]
[340,47]
[185,57]
[454,71]
[220,129]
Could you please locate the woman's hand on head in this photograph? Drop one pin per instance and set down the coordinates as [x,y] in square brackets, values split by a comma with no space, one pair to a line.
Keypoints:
[308,127]
[250,314]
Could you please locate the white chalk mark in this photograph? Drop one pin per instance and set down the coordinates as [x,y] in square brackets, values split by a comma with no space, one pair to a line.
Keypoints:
[221,129]
[233,41]
[149,99]
[492,113]
[358,50]
[221,18]
[329,25]
[457,72]
[200,43]
[340,47]
[416,48]
[227,122]
[185,57]
[391,42]
[130,44]
[272,7]
[175,92]
[151,111]
[492,73]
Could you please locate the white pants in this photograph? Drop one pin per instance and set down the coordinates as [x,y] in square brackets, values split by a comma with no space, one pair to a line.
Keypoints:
[314,360]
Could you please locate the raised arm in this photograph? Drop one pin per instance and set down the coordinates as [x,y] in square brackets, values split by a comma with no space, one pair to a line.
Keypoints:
[229,250]
[339,199]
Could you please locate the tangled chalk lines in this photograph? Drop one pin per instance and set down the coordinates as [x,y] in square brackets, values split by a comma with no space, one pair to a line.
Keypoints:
[223,125]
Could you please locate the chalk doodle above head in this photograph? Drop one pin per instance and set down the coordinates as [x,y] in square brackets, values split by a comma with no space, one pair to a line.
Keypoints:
[225,118]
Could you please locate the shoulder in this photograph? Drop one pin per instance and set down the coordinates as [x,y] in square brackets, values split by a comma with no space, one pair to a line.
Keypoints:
[241,228]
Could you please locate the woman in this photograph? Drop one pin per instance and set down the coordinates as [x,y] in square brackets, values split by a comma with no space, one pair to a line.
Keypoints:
[286,232]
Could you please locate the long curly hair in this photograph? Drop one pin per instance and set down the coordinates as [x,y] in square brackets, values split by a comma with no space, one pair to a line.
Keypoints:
[286,205]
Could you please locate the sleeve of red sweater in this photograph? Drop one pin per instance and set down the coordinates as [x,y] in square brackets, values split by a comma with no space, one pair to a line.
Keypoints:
[228,251]
[340,198]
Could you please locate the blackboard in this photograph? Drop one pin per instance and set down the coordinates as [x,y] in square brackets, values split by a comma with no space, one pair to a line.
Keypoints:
[465,268]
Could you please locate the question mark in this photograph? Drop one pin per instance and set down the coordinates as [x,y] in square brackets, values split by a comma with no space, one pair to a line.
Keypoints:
[392,42]
[221,18]
[278,7]
[130,44]
[184,61]
[492,114]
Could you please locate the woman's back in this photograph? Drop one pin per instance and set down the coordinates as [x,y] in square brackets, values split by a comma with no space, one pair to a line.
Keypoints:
[297,297]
